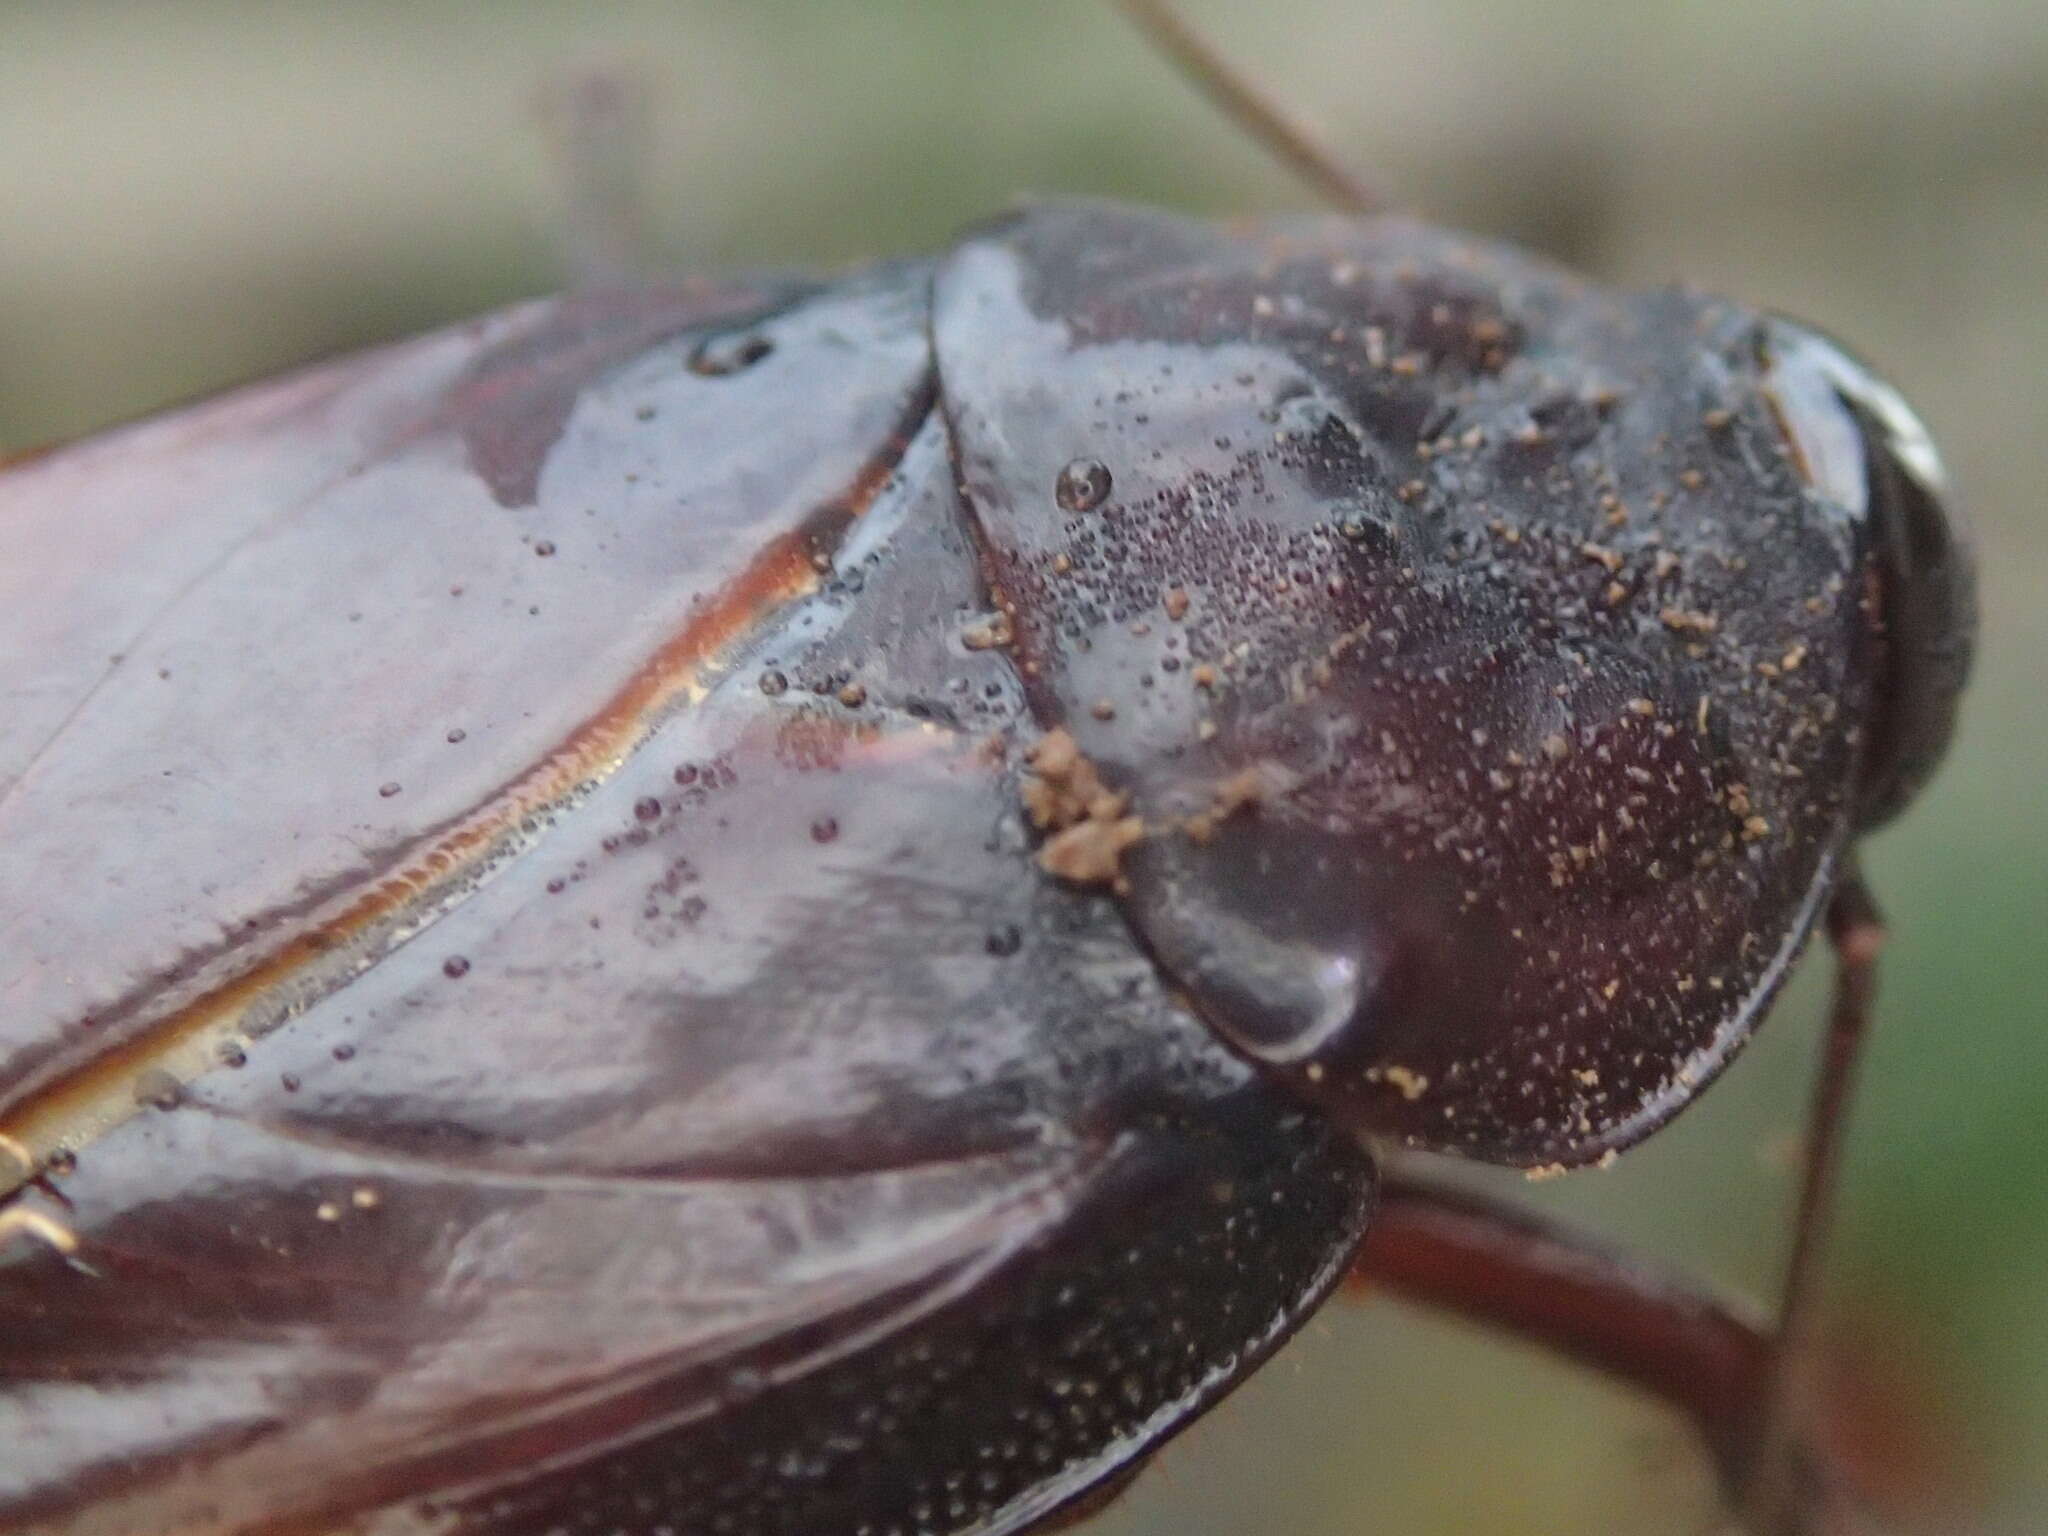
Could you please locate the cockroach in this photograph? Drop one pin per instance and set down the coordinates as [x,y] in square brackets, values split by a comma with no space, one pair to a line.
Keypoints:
[764,906]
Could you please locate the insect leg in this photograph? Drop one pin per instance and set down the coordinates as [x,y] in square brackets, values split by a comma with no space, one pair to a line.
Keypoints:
[1740,1383]
[1856,930]
[1286,140]
[1510,1269]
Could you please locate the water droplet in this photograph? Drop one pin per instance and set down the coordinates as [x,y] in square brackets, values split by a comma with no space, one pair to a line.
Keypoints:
[824,829]
[773,682]
[647,808]
[557,885]
[1005,941]
[544,548]
[455,967]
[686,775]
[289,1082]
[457,734]
[1082,486]
[156,1087]
[718,357]
[344,1052]
[389,788]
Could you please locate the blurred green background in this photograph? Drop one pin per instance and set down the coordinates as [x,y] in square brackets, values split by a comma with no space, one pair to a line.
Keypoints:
[193,194]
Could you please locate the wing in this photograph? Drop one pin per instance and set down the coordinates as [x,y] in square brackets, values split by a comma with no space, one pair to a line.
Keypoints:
[681,1105]
[311,659]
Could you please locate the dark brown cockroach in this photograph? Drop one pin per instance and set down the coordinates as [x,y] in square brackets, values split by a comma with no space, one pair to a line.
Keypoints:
[761,907]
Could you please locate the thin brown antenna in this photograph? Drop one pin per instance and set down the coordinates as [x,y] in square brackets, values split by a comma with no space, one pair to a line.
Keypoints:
[597,118]
[1286,140]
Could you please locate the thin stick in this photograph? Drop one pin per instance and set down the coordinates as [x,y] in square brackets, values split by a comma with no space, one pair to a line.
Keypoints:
[1286,140]
[1856,929]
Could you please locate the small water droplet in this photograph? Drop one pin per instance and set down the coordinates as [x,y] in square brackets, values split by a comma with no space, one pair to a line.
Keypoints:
[773,682]
[1082,486]
[824,829]
[455,967]
[647,808]
[457,734]
[1005,941]
[289,1082]
[544,548]
[686,775]
[718,357]
[389,788]
[156,1087]
[344,1052]
[557,885]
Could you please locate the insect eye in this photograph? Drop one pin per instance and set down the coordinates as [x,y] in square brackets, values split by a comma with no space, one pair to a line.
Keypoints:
[1866,453]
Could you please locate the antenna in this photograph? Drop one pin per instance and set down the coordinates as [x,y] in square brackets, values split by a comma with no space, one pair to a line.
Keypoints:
[1289,142]
[596,117]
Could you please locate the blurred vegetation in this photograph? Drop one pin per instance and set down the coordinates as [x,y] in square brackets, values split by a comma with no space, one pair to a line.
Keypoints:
[194,194]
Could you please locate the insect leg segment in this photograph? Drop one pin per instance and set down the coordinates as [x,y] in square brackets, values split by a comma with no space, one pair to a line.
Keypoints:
[1506,1267]
[1772,1467]
[1657,1331]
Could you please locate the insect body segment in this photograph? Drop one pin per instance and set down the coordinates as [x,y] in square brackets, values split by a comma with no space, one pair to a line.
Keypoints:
[1458,631]
[1867,457]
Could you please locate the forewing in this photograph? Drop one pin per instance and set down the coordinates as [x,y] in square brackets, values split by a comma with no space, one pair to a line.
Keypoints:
[286,676]
[753,1142]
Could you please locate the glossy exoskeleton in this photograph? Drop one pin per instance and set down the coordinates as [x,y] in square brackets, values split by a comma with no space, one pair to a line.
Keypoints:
[773,909]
